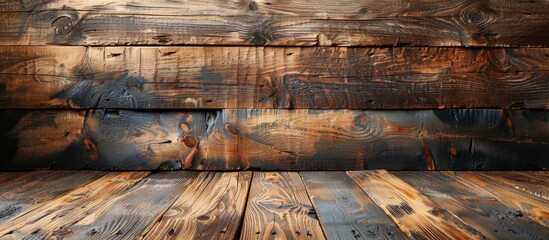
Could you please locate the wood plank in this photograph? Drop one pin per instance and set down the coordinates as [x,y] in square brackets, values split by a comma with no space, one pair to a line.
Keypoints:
[344,210]
[272,77]
[29,190]
[474,205]
[415,214]
[347,23]
[457,139]
[210,207]
[526,182]
[54,218]
[531,206]
[129,214]
[279,208]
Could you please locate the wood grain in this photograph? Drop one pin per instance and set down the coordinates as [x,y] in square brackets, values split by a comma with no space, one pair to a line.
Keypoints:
[415,214]
[344,210]
[269,77]
[521,181]
[278,22]
[26,191]
[530,206]
[129,214]
[210,207]
[279,208]
[474,205]
[53,219]
[460,139]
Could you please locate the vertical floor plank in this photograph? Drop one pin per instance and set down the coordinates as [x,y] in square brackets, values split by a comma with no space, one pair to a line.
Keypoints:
[415,214]
[22,191]
[279,208]
[474,205]
[344,210]
[530,183]
[53,219]
[210,207]
[534,207]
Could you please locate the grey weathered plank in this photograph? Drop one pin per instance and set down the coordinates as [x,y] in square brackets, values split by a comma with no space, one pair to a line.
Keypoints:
[278,207]
[364,22]
[474,205]
[414,213]
[211,207]
[344,210]
[258,77]
[24,191]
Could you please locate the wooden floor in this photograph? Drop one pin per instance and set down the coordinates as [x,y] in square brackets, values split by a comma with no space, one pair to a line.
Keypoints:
[274,205]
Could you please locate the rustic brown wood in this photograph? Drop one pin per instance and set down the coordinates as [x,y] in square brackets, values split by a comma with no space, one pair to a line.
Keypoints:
[248,77]
[29,190]
[129,214]
[54,218]
[474,205]
[526,182]
[276,139]
[278,207]
[415,214]
[531,206]
[210,207]
[344,210]
[365,22]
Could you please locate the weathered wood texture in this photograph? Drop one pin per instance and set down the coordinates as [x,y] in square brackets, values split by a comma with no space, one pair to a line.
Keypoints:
[55,218]
[344,210]
[25,191]
[210,207]
[474,205]
[276,139]
[415,214]
[279,208]
[528,182]
[249,77]
[279,22]
[129,214]
[531,206]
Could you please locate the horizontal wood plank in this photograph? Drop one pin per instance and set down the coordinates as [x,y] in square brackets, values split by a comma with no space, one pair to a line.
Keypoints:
[414,213]
[268,77]
[29,190]
[459,139]
[344,210]
[347,23]
[210,207]
[54,219]
[474,205]
[529,205]
[279,208]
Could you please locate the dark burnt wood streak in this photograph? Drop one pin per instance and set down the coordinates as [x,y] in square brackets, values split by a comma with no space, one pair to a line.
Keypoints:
[269,139]
[279,22]
[268,77]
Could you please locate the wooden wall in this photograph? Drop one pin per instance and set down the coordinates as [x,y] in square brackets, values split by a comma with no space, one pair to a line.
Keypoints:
[274,85]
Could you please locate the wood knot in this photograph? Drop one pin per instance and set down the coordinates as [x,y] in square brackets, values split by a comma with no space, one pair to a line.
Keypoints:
[361,121]
[189,141]
[473,16]
[185,127]
[63,26]
[232,129]
[453,151]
